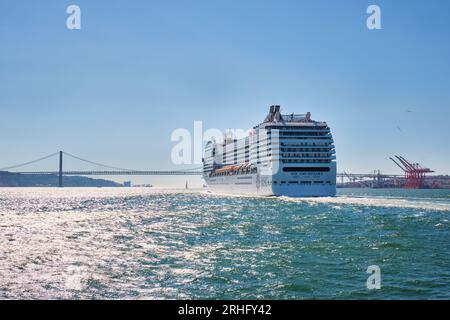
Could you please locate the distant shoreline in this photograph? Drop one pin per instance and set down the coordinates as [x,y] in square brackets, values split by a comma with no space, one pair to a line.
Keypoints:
[11,180]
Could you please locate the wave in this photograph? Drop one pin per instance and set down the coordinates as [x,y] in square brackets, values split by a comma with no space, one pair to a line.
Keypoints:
[374,202]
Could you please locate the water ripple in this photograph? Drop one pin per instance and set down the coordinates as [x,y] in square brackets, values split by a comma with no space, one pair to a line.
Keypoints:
[159,244]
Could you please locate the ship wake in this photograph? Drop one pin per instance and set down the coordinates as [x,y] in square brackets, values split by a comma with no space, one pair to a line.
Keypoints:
[421,204]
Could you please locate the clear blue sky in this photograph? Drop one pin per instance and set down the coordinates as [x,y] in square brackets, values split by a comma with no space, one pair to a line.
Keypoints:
[114,91]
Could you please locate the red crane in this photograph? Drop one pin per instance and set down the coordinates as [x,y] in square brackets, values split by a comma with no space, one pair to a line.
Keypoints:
[414,173]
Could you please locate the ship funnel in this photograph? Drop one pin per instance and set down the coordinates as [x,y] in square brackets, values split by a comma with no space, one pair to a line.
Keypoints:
[308,116]
[274,114]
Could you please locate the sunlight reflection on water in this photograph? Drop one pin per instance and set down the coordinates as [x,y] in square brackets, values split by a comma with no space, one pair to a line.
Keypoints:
[132,243]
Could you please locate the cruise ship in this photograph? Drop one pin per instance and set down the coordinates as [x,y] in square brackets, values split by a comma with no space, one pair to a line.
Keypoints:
[285,155]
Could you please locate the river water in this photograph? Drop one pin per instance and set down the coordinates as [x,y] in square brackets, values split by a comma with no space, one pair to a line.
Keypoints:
[132,243]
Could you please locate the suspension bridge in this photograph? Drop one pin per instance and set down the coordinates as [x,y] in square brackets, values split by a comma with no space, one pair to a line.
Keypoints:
[108,170]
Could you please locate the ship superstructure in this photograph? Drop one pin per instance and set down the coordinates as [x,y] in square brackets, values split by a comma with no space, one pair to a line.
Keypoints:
[285,155]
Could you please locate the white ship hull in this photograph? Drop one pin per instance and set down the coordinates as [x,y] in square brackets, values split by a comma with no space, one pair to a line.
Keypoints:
[289,185]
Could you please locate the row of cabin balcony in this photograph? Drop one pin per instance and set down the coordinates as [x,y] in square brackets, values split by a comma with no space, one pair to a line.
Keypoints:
[286,142]
[290,150]
[304,134]
[301,127]
[300,150]
[306,155]
[329,149]
[306,160]
[308,138]
[307,144]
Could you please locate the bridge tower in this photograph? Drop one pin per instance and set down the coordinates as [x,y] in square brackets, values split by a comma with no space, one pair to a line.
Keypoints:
[60,182]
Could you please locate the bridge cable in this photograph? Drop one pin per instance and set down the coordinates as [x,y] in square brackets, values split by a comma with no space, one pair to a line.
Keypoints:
[184,170]
[88,161]
[96,163]
[121,169]
[29,162]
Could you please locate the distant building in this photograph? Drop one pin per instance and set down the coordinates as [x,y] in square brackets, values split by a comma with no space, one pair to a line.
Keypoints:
[127,184]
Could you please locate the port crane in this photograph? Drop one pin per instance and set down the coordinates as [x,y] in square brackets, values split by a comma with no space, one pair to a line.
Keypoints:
[414,172]
[350,178]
